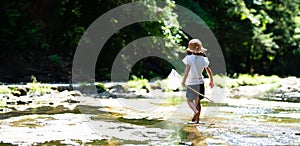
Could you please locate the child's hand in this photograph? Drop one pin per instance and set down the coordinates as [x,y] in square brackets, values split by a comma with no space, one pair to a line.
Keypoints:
[211,84]
[183,84]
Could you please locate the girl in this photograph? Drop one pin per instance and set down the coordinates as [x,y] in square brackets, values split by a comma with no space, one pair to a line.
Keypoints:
[195,63]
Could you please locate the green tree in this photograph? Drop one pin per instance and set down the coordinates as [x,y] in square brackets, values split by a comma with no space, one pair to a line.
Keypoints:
[256,36]
[260,36]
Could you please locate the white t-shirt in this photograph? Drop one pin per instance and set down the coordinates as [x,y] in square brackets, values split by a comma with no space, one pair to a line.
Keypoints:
[197,63]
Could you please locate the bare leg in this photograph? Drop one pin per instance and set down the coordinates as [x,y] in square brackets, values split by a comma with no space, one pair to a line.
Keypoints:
[198,107]
[198,104]
[192,106]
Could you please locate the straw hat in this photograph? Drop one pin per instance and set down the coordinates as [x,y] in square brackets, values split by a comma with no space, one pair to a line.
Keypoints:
[195,47]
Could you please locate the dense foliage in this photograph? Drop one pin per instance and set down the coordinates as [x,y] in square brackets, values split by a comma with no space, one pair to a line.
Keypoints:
[40,37]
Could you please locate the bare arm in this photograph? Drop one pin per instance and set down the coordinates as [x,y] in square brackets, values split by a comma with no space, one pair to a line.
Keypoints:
[211,81]
[186,72]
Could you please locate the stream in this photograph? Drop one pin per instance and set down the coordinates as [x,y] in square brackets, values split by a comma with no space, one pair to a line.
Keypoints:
[140,121]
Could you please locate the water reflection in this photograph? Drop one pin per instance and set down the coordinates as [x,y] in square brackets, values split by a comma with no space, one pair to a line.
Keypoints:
[190,135]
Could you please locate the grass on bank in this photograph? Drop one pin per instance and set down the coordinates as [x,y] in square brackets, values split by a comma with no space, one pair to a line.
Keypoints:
[244,80]
[219,80]
[34,87]
[37,87]
[142,83]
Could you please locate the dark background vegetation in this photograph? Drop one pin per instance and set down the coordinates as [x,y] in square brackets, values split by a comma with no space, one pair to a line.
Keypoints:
[39,37]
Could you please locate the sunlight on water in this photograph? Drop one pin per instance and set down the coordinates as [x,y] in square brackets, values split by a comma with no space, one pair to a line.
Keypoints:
[234,122]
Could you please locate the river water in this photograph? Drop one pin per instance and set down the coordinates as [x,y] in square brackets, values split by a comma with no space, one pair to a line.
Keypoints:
[159,122]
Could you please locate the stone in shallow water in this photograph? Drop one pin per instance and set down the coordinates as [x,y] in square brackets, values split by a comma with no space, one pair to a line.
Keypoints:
[211,141]
[52,127]
[75,93]
[139,121]
[5,110]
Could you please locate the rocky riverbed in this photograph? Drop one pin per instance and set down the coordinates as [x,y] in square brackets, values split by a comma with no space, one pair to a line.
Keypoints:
[122,116]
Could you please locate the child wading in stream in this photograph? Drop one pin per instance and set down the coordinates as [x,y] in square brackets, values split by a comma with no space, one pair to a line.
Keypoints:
[195,63]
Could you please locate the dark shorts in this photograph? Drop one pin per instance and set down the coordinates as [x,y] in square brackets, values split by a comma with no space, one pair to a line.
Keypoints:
[190,94]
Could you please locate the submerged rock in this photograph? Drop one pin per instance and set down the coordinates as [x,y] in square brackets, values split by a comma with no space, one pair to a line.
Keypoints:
[5,110]
[289,91]
[118,89]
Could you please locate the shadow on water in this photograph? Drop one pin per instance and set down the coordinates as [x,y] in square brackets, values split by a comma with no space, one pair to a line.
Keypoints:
[40,110]
[50,110]
[7,144]
[103,142]
[189,135]
[142,121]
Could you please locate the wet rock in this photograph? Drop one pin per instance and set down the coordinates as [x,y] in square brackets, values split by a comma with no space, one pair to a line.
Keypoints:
[35,94]
[8,99]
[5,110]
[10,102]
[16,93]
[5,96]
[234,93]
[22,91]
[75,93]
[155,86]
[19,102]
[288,91]
[63,88]
[23,100]
[290,84]
[145,89]
[100,88]
[63,94]
[250,91]
[278,91]
[158,83]
[105,95]
[118,89]
[185,143]
[54,88]
[254,91]
[292,97]
[72,100]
